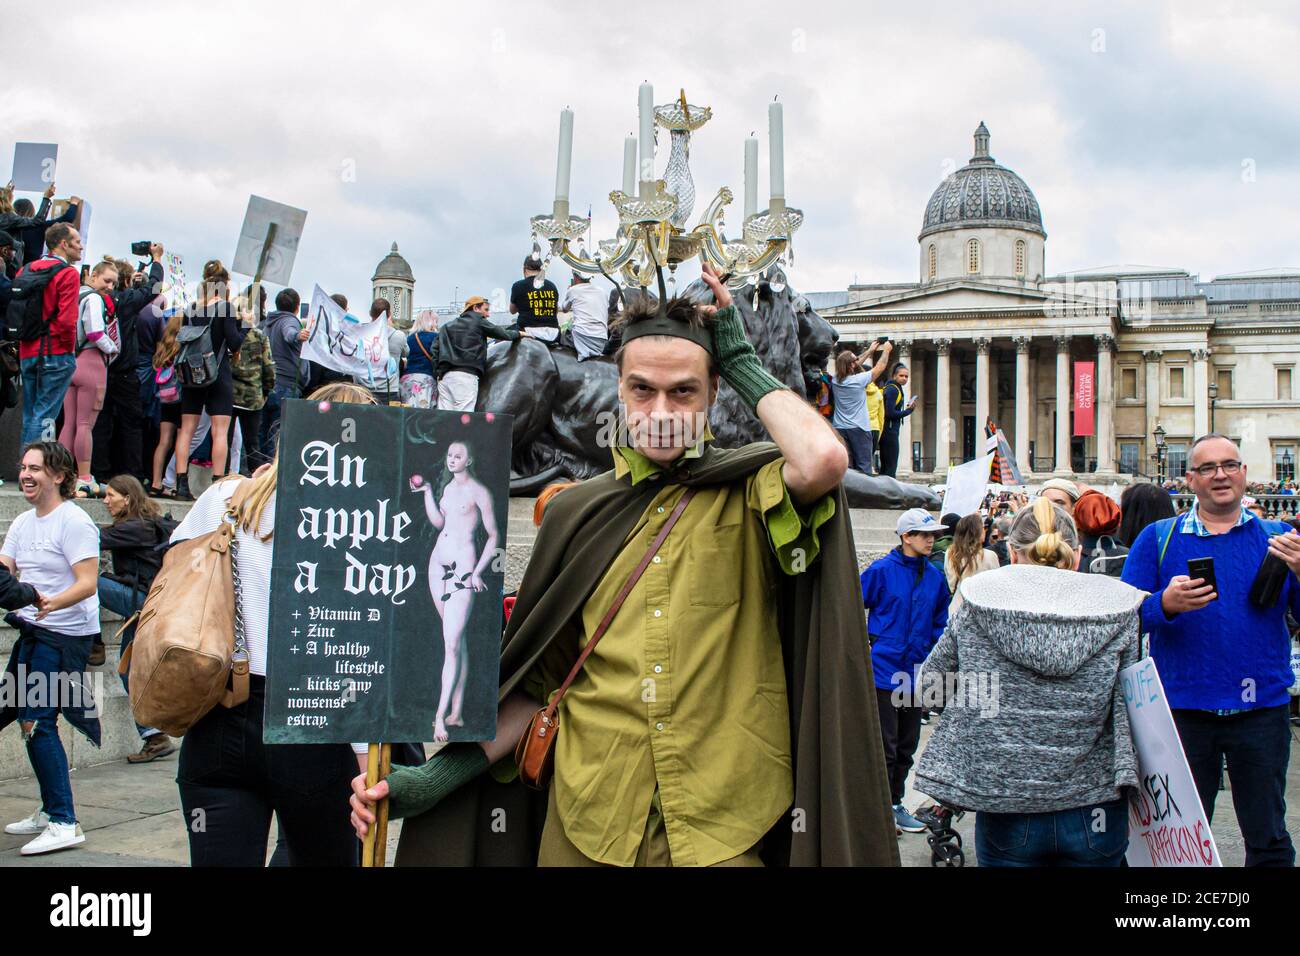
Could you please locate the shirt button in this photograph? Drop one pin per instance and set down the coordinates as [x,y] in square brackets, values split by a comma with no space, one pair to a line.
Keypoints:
[657,559]
[658,613]
[659,726]
[661,509]
[659,669]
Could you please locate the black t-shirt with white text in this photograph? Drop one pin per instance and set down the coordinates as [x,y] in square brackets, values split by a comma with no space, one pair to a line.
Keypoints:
[537,308]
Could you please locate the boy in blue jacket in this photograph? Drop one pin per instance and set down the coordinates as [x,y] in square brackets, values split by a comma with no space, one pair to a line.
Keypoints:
[1224,662]
[908,600]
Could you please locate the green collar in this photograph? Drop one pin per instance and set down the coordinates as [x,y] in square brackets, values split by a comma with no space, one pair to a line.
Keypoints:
[629,461]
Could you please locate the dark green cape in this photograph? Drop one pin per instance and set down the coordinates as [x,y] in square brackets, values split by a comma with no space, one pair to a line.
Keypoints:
[839,767]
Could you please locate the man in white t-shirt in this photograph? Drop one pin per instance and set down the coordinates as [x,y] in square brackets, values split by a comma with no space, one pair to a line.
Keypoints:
[590,308]
[55,549]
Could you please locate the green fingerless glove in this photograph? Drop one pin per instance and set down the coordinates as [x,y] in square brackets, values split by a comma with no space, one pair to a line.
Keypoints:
[737,360]
[413,790]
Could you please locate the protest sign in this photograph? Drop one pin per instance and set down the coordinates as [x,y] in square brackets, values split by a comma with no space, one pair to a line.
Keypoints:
[174,284]
[1167,825]
[386,585]
[966,487]
[268,241]
[344,343]
[34,165]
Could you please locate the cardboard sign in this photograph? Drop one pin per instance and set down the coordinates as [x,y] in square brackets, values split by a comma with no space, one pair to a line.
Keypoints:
[386,584]
[966,487]
[175,287]
[1167,825]
[344,343]
[258,219]
[1084,398]
[34,166]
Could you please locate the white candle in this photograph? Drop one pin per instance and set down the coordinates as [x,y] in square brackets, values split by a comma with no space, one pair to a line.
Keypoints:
[776,150]
[646,106]
[564,162]
[629,165]
[751,177]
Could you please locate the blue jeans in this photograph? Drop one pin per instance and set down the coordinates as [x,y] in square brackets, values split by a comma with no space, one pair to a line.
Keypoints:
[43,393]
[861,450]
[124,600]
[269,429]
[1082,836]
[44,748]
[1257,746]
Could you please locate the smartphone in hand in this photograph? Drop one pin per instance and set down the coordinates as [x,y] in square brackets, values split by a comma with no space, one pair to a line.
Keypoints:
[1203,568]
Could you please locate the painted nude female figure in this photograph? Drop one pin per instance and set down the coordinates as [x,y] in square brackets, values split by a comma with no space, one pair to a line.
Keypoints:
[455,509]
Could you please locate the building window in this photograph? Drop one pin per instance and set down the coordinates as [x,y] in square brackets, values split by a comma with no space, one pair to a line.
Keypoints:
[1284,462]
[1284,384]
[1128,383]
[932,266]
[973,256]
[1020,257]
[1176,459]
[1223,377]
[1130,459]
[1176,386]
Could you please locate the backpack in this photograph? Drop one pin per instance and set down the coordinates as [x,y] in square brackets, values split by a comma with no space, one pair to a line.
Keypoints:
[169,384]
[1107,557]
[26,319]
[197,362]
[110,320]
[189,654]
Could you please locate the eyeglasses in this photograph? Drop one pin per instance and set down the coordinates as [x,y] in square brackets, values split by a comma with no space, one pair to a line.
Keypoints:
[1208,469]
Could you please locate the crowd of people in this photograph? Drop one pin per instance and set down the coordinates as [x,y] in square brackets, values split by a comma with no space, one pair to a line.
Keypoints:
[1083,587]
[1052,595]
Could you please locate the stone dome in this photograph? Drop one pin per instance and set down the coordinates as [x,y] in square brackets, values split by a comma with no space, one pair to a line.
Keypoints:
[393,266]
[982,194]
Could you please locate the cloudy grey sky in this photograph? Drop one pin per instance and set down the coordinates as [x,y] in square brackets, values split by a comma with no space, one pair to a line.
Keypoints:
[1152,133]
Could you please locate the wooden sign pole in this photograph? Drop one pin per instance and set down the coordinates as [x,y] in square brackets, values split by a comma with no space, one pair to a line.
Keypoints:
[374,849]
[253,293]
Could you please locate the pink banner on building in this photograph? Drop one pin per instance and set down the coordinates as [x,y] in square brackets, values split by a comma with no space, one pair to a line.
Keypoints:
[1084,398]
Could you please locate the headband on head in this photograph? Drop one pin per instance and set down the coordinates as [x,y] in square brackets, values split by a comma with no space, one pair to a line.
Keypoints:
[661,324]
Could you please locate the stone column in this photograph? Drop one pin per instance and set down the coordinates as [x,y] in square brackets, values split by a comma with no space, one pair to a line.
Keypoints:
[1201,391]
[942,409]
[981,391]
[1105,401]
[920,387]
[1152,359]
[905,427]
[1062,404]
[1024,408]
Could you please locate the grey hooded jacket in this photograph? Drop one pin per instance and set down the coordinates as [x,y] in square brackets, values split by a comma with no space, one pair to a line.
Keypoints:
[1035,719]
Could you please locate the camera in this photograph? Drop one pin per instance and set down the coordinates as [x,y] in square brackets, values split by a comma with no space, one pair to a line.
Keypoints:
[142,248]
[882,340]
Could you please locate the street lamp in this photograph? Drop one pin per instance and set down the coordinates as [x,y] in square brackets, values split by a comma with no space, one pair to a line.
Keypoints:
[1160,452]
[1214,394]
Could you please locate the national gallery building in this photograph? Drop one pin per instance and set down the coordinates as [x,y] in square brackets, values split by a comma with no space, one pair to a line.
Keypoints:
[987,333]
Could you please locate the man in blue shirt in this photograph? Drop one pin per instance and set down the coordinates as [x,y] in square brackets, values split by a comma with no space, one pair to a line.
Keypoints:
[908,600]
[1224,661]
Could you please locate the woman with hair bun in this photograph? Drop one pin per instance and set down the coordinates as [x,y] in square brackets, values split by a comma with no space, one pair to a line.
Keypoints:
[1035,736]
[215,311]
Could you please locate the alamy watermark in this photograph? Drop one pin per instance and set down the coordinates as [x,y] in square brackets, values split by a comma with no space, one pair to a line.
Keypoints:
[976,690]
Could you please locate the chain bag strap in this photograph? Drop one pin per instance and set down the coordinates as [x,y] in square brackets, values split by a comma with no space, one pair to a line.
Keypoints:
[237,692]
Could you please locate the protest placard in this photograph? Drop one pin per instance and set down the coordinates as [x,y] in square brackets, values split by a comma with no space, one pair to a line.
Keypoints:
[34,166]
[386,587]
[966,487]
[268,241]
[1167,824]
[175,286]
[344,343]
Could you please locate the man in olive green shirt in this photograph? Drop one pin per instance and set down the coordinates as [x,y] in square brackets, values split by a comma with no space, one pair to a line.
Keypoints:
[676,738]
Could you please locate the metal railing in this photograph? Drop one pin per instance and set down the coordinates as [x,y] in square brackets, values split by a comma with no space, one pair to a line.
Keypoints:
[1276,507]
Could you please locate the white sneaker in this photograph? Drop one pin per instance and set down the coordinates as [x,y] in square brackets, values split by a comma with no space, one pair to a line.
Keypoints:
[36,823]
[57,836]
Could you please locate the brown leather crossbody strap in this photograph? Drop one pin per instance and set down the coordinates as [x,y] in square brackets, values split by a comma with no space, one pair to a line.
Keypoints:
[635,576]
